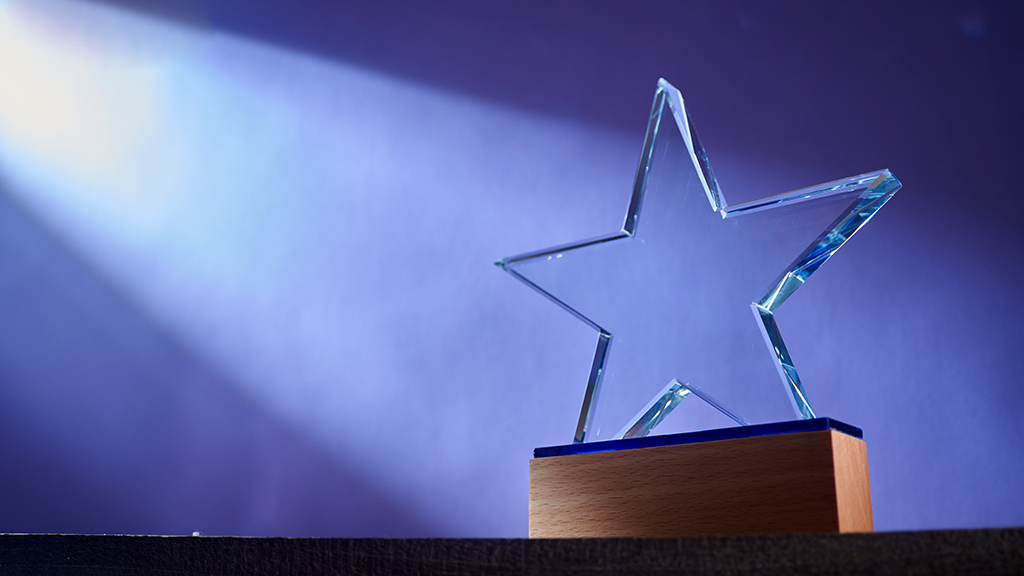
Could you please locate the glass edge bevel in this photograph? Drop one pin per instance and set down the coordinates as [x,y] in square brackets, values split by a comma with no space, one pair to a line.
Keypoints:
[848,185]
[860,212]
[561,304]
[604,342]
[715,403]
[660,406]
[834,237]
[790,378]
[596,368]
[643,167]
[506,263]
[693,145]
[664,402]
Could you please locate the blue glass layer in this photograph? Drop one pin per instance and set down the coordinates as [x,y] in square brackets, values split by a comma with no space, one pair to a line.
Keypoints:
[772,429]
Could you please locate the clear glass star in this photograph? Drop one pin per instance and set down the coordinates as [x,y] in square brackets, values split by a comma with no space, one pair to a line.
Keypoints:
[683,299]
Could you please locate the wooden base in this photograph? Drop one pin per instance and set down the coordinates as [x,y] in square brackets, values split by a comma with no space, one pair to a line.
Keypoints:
[801,482]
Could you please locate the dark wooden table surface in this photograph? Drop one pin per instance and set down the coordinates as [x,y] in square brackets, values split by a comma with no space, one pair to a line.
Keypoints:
[999,551]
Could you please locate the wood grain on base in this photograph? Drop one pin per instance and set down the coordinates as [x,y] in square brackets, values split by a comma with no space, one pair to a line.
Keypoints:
[853,486]
[788,483]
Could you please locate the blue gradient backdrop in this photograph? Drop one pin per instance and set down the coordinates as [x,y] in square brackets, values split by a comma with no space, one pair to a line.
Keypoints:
[245,247]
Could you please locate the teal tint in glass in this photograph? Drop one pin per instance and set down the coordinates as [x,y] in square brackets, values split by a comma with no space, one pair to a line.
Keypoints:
[683,298]
[662,405]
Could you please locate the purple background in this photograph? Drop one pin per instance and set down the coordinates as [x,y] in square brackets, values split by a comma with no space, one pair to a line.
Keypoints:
[280,317]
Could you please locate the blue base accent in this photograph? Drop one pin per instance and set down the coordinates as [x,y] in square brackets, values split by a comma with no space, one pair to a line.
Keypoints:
[703,436]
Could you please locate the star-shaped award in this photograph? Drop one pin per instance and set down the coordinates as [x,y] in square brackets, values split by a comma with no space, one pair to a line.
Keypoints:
[683,299]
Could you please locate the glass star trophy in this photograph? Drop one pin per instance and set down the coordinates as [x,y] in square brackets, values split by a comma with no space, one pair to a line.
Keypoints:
[683,301]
